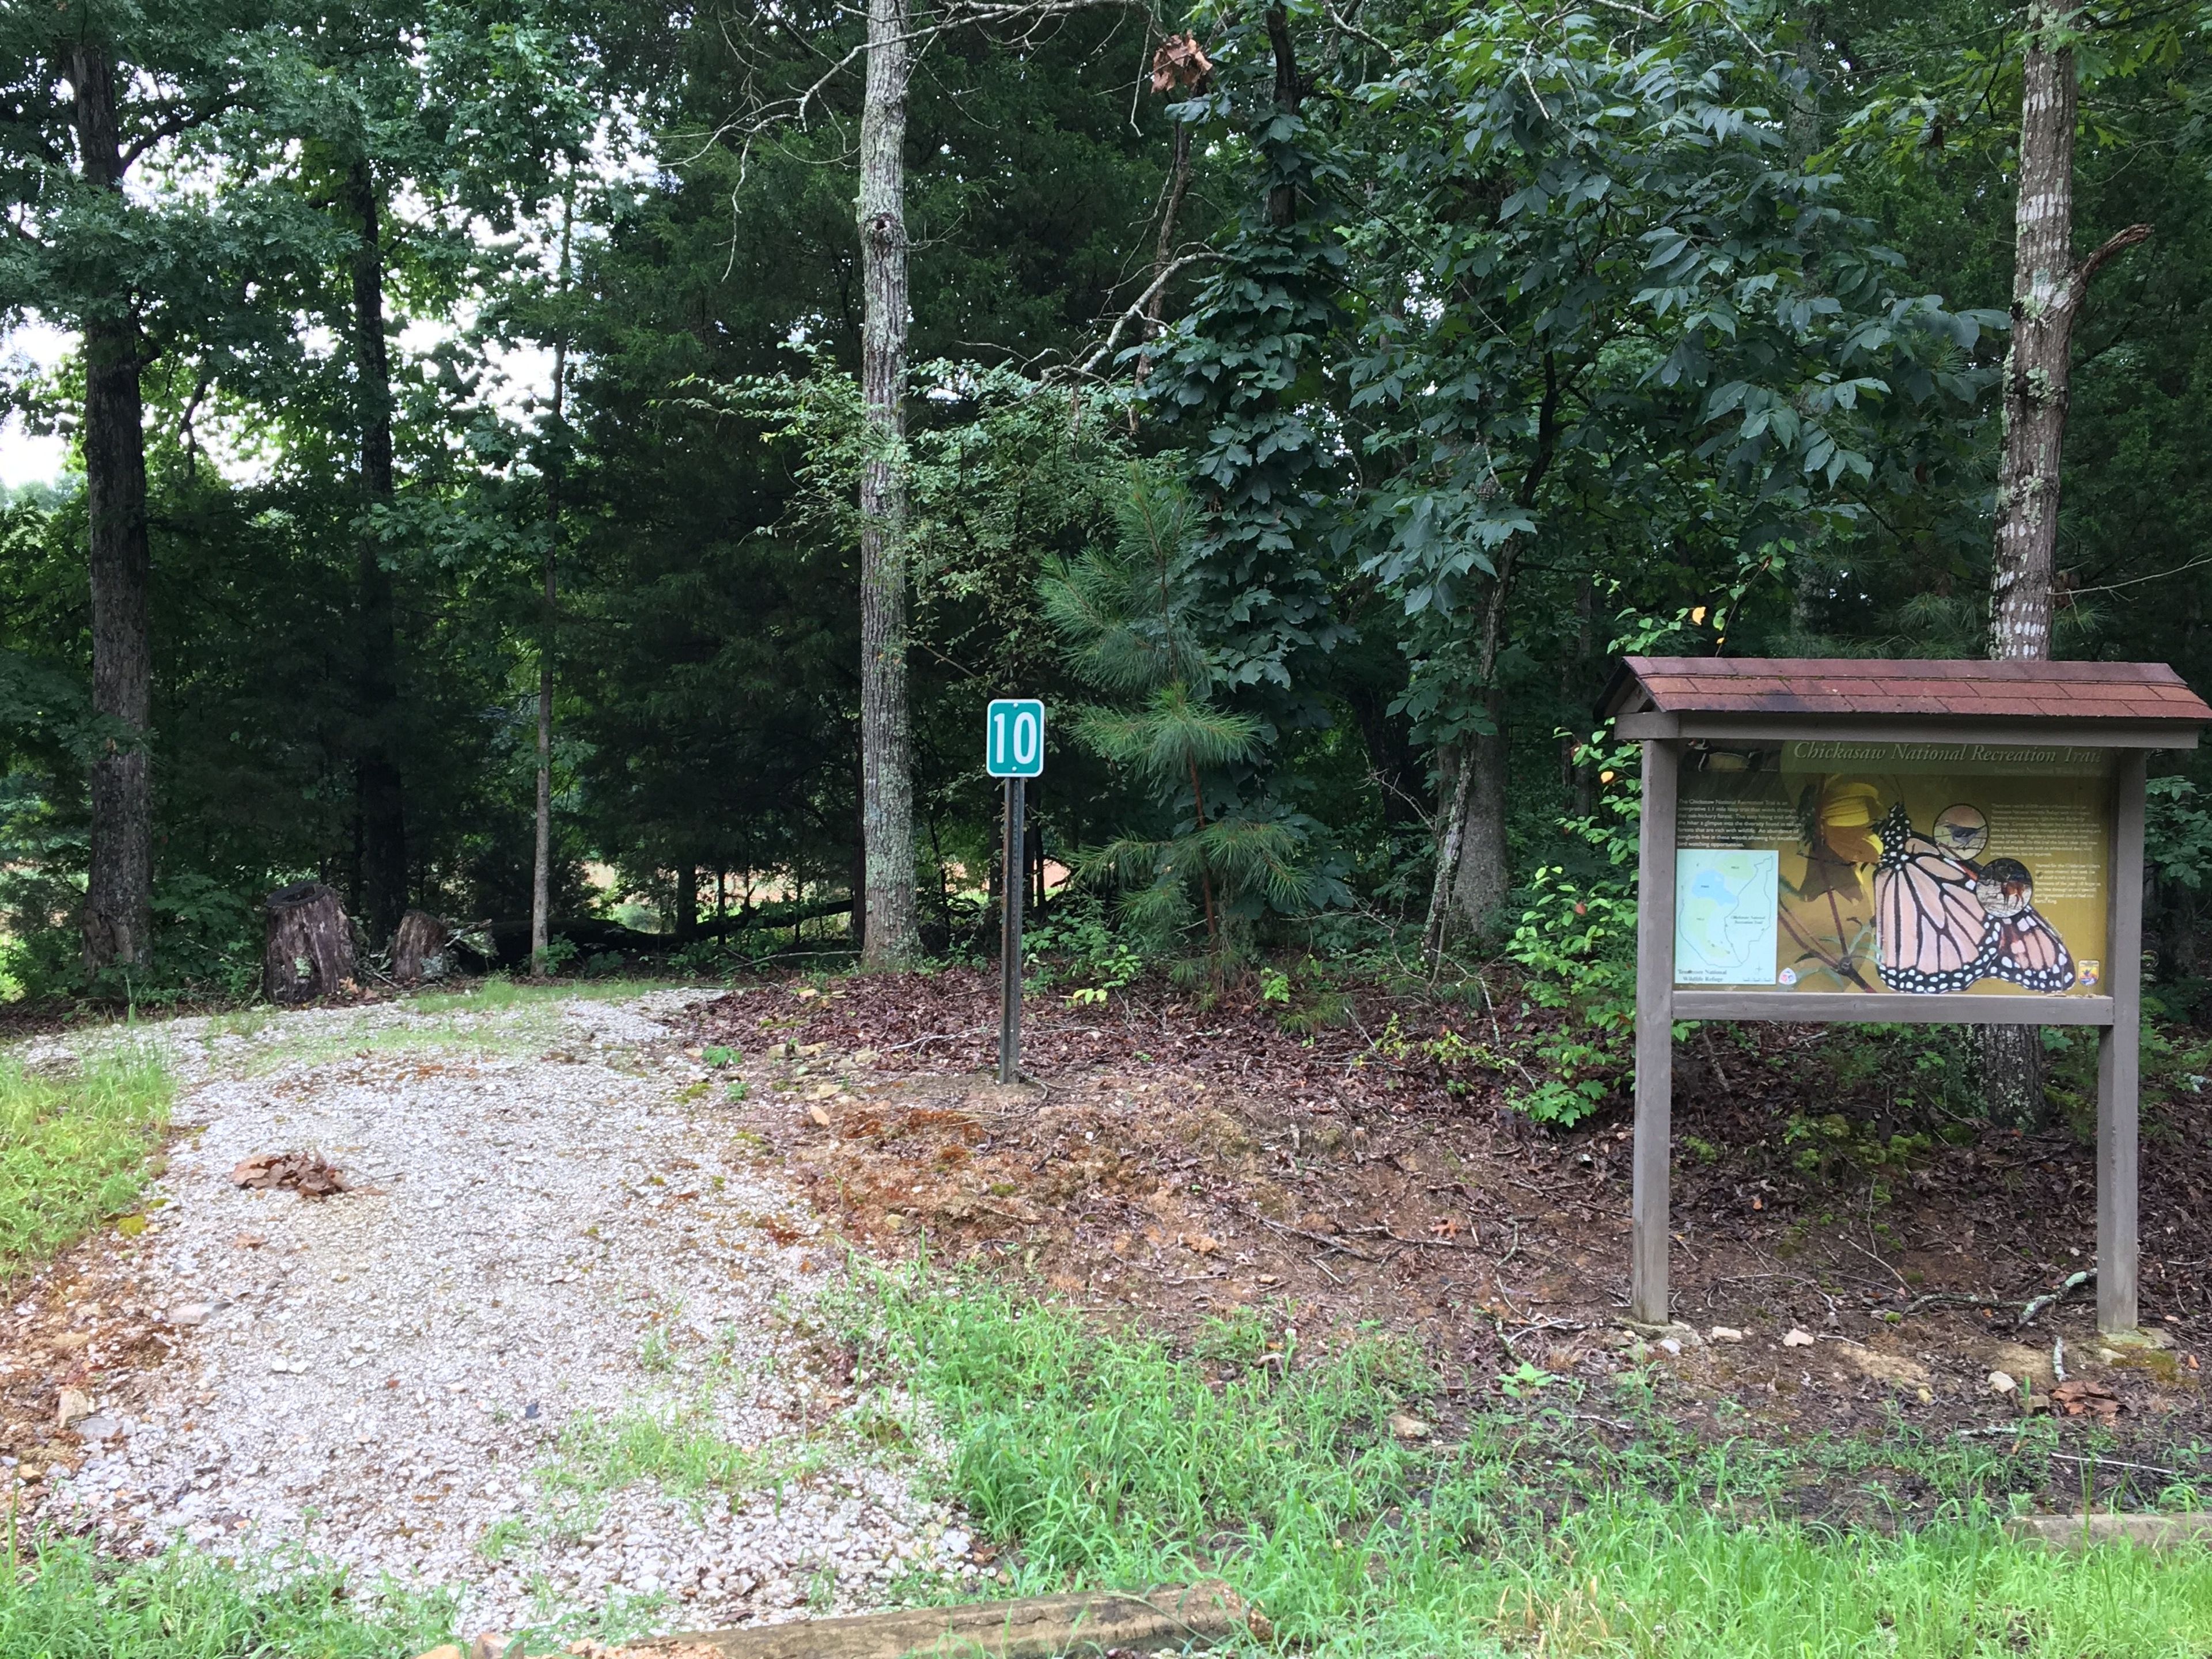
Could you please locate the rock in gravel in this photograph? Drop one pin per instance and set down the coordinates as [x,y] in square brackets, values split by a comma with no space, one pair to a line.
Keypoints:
[189,1314]
[97,1427]
[1798,1337]
[2002,1382]
[73,1404]
[1727,1334]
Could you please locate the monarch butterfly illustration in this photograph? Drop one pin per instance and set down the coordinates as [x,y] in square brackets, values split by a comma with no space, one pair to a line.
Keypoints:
[2024,948]
[1931,933]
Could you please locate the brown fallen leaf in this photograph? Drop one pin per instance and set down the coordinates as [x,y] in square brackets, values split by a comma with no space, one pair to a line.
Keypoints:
[1447,1228]
[250,1241]
[304,1173]
[2080,1397]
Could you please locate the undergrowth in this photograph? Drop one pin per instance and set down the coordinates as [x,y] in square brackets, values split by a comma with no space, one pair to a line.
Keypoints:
[1106,1460]
[73,1148]
[67,1601]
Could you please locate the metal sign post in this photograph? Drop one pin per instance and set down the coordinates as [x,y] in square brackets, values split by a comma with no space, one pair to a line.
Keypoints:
[1013,748]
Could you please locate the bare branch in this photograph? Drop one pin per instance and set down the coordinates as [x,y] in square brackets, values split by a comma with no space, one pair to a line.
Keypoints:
[181,118]
[2120,242]
[1138,307]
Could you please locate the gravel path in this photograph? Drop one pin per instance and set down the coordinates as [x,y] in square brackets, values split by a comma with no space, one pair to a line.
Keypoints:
[555,1348]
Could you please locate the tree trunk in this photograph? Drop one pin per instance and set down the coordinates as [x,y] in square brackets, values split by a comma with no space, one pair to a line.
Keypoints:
[118,920]
[1473,872]
[891,935]
[415,947]
[309,952]
[376,768]
[687,902]
[2048,292]
[541,862]
[1283,198]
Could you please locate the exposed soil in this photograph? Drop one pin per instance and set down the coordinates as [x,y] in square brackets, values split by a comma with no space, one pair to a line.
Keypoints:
[1175,1166]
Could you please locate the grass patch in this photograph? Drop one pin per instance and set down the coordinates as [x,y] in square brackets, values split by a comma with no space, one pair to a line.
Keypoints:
[1108,1462]
[73,1148]
[497,994]
[674,1449]
[69,1603]
[494,1017]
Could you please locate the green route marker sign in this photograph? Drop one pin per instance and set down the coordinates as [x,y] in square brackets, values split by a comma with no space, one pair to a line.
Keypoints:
[1013,738]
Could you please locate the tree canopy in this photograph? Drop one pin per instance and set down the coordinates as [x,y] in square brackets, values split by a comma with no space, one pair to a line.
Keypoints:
[1308,401]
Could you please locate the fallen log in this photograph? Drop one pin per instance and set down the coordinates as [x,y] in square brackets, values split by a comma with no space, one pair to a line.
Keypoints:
[1186,1618]
[510,939]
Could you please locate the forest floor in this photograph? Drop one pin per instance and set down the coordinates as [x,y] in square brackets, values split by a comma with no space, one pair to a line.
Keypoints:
[617,1325]
[1185,1169]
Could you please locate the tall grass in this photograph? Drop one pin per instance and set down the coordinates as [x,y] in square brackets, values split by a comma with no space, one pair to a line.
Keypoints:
[75,1604]
[73,1148]
[1109,1461]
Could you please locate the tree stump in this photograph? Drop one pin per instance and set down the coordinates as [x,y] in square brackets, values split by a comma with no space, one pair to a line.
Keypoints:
[310,951]
[418,948]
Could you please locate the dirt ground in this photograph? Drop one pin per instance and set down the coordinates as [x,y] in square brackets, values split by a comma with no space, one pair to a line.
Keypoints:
[1174,1166]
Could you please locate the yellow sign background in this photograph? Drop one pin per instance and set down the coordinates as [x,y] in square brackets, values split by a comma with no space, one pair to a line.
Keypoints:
[1816,803]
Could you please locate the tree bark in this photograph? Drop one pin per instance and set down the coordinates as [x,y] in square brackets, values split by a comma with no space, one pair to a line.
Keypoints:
[1283,198]
[1474,872]
[687,903]
[309,948]
[377,784]
[2049,291]
[119,918]
[891,935]
[541,862]
[417,943]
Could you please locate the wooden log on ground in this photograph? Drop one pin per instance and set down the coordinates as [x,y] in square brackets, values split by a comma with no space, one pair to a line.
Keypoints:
[419,937]
[309,953]
[1191,1619]
[2147,1531]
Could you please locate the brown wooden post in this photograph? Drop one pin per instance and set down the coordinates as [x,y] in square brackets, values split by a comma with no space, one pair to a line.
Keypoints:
[2117,1063]
[1655,1031]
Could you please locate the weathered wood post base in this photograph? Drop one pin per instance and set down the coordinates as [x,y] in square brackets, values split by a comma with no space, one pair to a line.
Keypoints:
[1654,1036]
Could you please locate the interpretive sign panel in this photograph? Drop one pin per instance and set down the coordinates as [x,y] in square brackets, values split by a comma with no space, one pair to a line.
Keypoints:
[1923,842]
[1895,868]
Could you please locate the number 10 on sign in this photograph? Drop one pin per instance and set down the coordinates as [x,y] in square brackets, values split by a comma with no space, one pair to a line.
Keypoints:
[1013,739]
[1013,748]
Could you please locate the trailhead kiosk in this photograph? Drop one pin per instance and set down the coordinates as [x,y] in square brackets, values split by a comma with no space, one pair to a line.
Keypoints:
[1936,842]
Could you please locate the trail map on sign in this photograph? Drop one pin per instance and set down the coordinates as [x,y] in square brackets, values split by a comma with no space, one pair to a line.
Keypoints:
[1725,913]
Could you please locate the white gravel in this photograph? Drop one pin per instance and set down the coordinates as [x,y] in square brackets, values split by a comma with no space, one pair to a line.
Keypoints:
[550,1229]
